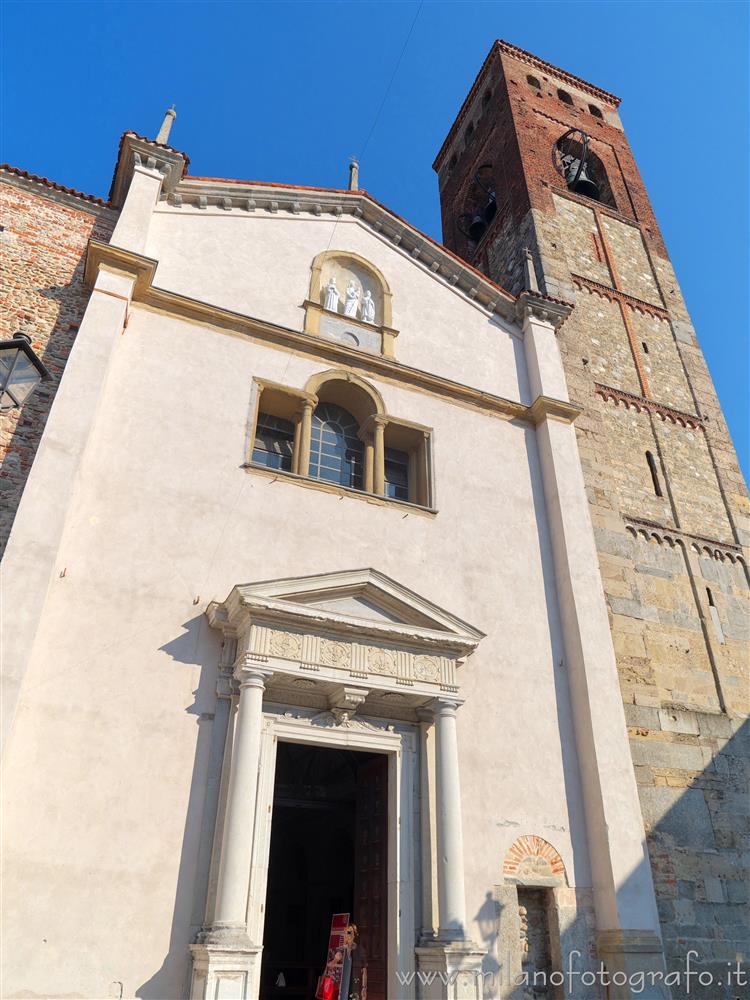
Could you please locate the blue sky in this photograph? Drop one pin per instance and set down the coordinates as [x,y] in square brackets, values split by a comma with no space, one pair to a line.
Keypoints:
[289,91]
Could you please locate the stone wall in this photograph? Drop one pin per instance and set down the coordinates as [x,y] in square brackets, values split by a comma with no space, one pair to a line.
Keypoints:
[691,771]
[42,295]
[673,566]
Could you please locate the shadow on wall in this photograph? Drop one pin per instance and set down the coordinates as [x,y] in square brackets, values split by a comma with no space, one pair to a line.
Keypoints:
[696,831]
[693,794]
[198,644]
[696,822]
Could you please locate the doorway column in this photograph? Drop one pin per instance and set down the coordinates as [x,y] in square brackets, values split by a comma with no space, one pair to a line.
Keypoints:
[237,841]
[452,963]
[224,956]
[450,843]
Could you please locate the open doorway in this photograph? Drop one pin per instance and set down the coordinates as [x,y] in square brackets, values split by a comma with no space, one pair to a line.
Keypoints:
[328,855]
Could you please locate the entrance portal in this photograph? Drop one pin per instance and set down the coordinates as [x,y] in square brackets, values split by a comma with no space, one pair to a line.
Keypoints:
[328,855]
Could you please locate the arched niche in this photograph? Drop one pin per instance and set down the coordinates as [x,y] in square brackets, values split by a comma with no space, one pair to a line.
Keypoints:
[324,318]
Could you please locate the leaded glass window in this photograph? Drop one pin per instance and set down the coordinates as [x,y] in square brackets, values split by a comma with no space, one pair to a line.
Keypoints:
[336,452]
[274,442]
[396,474]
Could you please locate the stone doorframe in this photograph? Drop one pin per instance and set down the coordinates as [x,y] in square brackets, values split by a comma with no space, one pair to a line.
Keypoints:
[399,743]
[349,659]
[533,863]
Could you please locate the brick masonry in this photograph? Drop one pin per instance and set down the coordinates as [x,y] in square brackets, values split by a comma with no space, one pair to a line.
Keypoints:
[43,244]
[673,565]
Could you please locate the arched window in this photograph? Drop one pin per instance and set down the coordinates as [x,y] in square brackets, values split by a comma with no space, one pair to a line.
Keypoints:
[565,97]
[570,150]
[533,82]
[480,206]
[336,451]
[336,430]
[596,112]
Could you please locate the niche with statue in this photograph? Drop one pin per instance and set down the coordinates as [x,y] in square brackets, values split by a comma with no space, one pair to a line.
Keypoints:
[349,302]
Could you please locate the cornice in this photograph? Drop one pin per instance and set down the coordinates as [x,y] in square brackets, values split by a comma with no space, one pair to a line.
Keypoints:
[597,206]
[135,151]
[506,48]
[266,611]
[257,197]
[615,295]
[545,407]
[632,401]
[534,305]
[150,296]
[114,258]
[700,544]
[562,74]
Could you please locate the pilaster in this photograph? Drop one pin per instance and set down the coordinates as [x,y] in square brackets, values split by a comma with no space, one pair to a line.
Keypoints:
[28,565]
[623,889]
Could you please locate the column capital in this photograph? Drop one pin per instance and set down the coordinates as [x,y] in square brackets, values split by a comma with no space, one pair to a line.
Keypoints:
[445,707]
[250,674]
[371,423]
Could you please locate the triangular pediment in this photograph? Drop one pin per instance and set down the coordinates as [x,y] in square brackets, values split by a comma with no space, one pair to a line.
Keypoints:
[351,597]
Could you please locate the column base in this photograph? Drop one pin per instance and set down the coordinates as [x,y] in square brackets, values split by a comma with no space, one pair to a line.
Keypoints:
[225,964]
[630,957]
[449,970]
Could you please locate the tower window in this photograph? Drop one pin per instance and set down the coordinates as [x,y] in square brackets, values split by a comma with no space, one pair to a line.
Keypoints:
[486,98]
[596,112]
[654,474]
[565,97]
[470,130]
[533,82]
[454,160]
[715,617]
[644,345]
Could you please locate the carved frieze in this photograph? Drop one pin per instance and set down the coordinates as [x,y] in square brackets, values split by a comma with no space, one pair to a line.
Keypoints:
[335,654]
[426,668]
[285,644]
[309,652]
[381,661]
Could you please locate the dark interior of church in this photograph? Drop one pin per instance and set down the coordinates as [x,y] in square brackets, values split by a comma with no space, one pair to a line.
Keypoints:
[326,857]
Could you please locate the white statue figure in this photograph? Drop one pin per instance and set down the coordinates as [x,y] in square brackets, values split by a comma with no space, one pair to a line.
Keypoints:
[368,307]
[352,300]
[332,295]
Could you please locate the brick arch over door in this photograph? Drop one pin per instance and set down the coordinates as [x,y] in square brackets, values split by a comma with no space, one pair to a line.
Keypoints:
[530,855]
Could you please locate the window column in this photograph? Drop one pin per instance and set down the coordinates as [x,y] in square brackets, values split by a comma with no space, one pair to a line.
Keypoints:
[378,428]
[297,441]
[308,407]
[369,463]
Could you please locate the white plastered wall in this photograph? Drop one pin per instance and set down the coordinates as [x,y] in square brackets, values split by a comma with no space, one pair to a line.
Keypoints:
[108,762]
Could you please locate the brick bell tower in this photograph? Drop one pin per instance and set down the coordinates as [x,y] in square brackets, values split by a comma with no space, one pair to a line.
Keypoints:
[667,499]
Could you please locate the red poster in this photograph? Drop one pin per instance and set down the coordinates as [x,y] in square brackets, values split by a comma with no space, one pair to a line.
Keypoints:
[338,962]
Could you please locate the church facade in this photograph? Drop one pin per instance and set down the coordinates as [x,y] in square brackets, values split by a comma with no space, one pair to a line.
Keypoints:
[348,572]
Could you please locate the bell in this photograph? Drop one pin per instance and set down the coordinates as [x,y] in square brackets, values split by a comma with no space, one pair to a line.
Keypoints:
[477,227]
[584,185]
